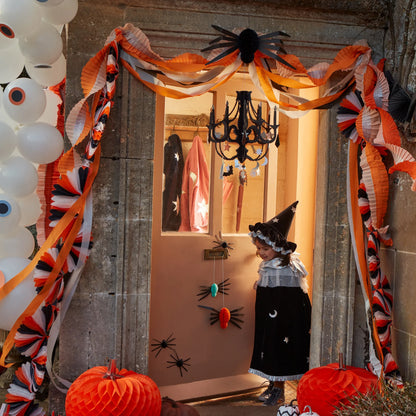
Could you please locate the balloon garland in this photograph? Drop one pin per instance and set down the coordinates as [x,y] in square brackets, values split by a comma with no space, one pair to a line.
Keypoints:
[67,238]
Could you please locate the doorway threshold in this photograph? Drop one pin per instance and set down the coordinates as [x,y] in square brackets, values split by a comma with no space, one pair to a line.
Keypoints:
[212,388]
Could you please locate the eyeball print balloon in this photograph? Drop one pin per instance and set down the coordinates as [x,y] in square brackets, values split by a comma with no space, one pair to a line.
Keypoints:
[50,115]
[40,142]
[12,63]
[7,37]
[14,304]
[18,177]
[49,3]
[48,76]
[30,209]
[61,13]
[42,47]
[19,243]
[9,214]
[8,141]
[19,17]
[24,100]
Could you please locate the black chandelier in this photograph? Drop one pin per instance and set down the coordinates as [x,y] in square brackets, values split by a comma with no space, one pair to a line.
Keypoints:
[241,133]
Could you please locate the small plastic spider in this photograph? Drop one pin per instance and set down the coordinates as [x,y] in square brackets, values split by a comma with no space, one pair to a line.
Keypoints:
[248,43]
[224,316]
[214,289]
[178,362]
[221,243]
[163,344]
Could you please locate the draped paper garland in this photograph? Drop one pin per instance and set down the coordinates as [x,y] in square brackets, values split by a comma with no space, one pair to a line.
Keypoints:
[67,239]
[67,243]
[363,119]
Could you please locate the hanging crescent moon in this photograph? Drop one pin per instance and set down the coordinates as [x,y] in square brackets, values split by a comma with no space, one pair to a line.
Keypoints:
[274,314]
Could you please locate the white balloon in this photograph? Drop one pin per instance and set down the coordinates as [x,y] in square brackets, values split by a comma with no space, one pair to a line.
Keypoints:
[8,141]
[19,243]
[24,100]
[9,214]
[15,303]
[40,142]
[30,209]
[12,63]
[18,177]
[49,3]
[48,76]
[61,13]
[50,115]
[19,17]
[5,40]
[42,47]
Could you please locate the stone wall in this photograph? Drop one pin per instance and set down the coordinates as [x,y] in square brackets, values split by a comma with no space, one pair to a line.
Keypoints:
[400,259]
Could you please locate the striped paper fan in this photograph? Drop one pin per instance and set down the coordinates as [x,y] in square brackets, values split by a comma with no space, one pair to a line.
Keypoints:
[347,114]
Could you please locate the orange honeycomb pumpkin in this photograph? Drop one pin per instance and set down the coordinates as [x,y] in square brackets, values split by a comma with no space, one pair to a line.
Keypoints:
[325,388]
[103,391]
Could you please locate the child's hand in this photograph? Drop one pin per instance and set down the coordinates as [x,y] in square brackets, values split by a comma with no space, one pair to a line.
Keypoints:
[255,285]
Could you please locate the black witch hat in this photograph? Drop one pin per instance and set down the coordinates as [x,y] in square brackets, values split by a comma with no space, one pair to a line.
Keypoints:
[274,232]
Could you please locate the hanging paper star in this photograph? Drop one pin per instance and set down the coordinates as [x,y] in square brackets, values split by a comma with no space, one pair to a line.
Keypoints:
[176,205]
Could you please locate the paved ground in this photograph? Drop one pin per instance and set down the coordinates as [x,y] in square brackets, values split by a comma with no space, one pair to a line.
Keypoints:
[243,404]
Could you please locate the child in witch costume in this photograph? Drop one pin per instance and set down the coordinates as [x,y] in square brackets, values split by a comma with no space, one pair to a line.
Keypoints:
[283,309]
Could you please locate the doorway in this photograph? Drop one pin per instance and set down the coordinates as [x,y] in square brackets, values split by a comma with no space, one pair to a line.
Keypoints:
[215,360]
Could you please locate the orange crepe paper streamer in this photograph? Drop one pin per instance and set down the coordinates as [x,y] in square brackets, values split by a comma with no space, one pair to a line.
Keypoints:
[93,75]
[227,60]
[286,82]
[357,232]
[343,61]
[408,167]
[379,186]
[390,131]
[76,210]
[2,279]
[268,90]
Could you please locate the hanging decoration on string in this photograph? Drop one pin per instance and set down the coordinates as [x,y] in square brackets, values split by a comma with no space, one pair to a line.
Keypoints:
[225,316]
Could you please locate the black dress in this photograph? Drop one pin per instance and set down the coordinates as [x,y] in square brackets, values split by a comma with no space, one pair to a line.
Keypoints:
[282,322]
[173,170]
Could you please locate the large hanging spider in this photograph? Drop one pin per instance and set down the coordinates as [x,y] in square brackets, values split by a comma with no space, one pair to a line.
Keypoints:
[248,43]
[163,344]
[178,362]
[225,316]
[214,289]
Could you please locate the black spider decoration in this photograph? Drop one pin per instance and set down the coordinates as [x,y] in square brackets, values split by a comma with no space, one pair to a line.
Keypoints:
[178,362]
[220,243]
[214,289]
[163,344]
[248,43]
